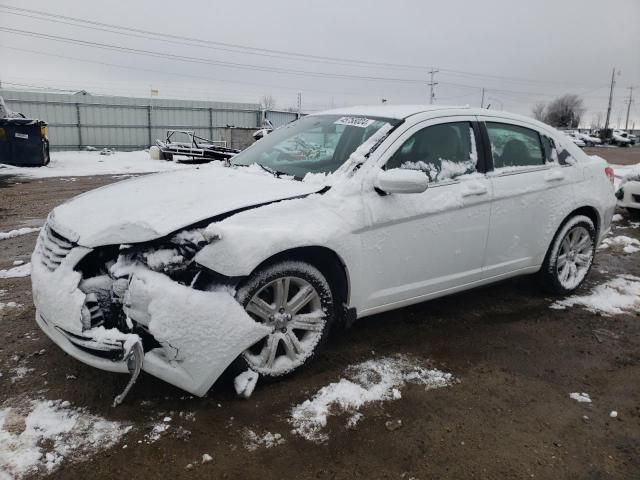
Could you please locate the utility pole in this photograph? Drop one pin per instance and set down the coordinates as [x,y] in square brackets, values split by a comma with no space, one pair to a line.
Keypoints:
[299,104]
[482,100]
[432,84]
[613,83]
[626,124]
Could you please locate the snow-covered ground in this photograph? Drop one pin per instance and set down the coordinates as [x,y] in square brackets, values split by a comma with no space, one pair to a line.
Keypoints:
[80,164]
[370,381]
[36,436]
[17,232]
[23,270]
[627,244]
[614,297]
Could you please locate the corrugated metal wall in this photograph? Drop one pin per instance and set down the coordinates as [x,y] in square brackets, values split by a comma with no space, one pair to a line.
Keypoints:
[77,120]
[280,118]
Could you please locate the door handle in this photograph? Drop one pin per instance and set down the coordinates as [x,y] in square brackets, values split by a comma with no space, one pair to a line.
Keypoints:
[553,176]
[472,189]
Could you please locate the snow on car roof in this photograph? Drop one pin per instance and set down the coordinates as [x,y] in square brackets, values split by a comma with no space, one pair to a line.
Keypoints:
[404,111]
[387,111]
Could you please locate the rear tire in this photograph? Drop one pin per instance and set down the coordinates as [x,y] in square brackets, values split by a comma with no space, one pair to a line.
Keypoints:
[570,256]
[295,300]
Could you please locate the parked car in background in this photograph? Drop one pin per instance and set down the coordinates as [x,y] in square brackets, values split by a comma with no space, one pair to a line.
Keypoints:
[336,216]
[628,135]
[588,139]
[575,138]
[628,193]
[620,138]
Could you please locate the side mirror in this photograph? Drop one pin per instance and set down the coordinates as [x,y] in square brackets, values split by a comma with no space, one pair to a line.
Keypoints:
[400,180]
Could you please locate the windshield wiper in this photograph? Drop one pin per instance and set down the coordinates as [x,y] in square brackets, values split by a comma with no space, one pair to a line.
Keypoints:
[277,173]
[273,172]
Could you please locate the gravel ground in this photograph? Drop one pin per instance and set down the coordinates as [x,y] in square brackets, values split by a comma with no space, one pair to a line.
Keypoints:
[509,415]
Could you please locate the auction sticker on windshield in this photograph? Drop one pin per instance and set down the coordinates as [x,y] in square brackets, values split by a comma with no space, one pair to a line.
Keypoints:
[361,122]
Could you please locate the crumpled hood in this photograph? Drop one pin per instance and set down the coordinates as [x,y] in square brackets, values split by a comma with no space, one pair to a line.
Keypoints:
[150,207]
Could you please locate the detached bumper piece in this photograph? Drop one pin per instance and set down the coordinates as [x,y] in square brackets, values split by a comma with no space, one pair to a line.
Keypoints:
[109,349]
[135,358]
[114,350]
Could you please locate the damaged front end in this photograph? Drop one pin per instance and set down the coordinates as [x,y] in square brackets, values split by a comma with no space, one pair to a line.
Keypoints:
[150,307]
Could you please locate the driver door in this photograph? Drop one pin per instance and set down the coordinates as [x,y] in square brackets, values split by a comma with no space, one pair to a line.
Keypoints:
[422,245]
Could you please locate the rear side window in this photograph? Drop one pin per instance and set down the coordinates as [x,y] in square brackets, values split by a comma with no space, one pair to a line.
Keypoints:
[442,152]
[514,146]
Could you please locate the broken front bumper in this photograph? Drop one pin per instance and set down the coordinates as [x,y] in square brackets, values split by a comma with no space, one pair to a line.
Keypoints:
[200,333]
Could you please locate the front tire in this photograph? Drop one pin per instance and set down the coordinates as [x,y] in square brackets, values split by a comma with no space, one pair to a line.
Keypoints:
[295,300]
[570,256]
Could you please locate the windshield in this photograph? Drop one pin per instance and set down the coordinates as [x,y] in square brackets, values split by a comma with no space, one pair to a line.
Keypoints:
[313,144]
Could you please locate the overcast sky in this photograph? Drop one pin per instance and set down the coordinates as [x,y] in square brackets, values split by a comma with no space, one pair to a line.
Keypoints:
[519,51]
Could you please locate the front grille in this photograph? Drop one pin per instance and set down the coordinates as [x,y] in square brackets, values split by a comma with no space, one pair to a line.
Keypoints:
[52,247]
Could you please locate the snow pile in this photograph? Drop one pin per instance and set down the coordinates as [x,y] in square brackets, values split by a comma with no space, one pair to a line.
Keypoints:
[628,244]
[17,232]
[614,297]
[16,272]
[20,372]
[78,164]
[366,382]
[157,431]
[37,436]
[245,383]
[253,441]
[580,397]
[4,305]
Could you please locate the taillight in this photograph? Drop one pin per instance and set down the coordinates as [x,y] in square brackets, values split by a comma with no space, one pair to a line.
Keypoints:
[608,171]
[43,132]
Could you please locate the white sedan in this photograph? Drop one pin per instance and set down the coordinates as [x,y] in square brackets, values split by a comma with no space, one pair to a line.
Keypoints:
[628,193]
[589,140]
[337,216]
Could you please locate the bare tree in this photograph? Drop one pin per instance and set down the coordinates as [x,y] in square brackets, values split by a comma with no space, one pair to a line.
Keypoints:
[539,111]
[565,111]
[268,102]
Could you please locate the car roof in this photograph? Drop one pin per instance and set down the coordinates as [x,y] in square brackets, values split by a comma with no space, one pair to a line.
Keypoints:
[401,112]
[387,111]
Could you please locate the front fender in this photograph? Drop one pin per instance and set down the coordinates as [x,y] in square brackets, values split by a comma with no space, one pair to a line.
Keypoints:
[247,239]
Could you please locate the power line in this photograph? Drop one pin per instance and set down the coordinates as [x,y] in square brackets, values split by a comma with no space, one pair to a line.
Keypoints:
[163,36]
[205,61]
[165,72]
[244,49]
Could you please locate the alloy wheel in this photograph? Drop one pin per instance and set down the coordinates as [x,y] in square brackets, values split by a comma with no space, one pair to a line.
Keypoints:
[292,308]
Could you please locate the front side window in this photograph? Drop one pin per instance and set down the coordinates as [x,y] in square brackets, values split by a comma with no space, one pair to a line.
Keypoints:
[442,152]
[313,144]
[514,146]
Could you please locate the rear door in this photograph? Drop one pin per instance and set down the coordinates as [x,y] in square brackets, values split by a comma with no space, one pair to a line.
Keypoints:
[530,192]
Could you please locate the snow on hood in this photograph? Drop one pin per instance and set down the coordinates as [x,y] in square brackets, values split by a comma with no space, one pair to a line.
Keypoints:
[150,207]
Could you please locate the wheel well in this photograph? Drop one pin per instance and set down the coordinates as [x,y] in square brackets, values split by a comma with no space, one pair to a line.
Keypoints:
[325,260]
[589,212]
